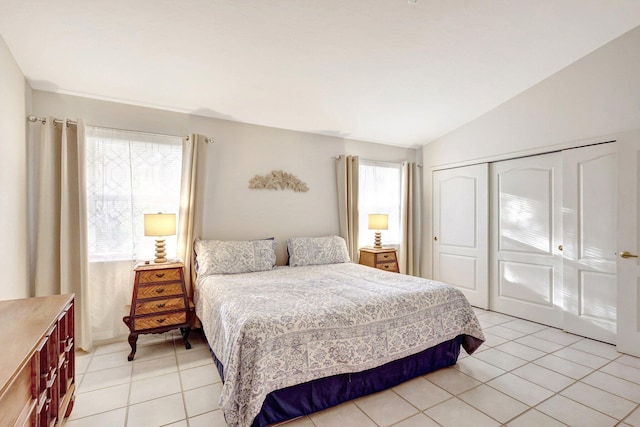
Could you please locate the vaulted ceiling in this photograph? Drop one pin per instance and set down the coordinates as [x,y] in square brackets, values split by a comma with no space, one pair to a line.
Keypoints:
[400,72]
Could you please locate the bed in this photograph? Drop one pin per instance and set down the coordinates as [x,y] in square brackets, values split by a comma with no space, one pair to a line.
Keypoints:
[293,340]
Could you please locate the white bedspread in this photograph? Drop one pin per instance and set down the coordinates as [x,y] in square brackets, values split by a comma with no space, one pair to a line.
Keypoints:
[290,325]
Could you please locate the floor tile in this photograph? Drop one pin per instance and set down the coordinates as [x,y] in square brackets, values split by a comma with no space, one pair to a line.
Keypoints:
[478,369]
[493,403]
[452,380]
[623,371]
[154,387]
[600,400]
[194,358]
[115,418]
[500,359]
[203,399]
[114,347]
[539,344]
[524,326]
[614,385]
[212,419]
[577,356]
[633,418]
[151,368]
[103,400]
[106,361]
[573,413]
[543,377]
[557,336]
[496,318]
[455,413]
[493,340]
[198,377]
[418,420]
[157,412]
[105,378]
[386,407]
[533,418]
[520,389]
[563,366]
[421,393]
[629,360]
[597,348]
[521,351]
[347,414]
[155,351]
[505,333]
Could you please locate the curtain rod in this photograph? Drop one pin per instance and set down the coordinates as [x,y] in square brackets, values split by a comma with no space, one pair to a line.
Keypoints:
[339,156]
[43,120]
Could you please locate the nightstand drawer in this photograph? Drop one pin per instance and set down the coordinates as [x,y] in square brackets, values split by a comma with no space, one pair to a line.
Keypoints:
[164,275]
[386,257]
[159,306]
[151,322]
[391,266]
[152,291]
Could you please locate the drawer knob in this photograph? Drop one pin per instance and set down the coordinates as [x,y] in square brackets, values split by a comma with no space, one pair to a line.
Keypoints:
[160,320]
[160,305]
[159,274]
[386,266]
[160,290]
[385,256]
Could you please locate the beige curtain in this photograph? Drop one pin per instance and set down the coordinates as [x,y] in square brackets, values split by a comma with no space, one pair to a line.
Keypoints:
[193,148]
[60,234]
[411,216]
[347,180]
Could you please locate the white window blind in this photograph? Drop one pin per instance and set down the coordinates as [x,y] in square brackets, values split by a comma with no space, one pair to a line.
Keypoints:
[129,174]
[379,192]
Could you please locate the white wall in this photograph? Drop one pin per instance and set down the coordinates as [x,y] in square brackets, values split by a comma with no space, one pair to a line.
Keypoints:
[13,178]
[595,99]
[230,210]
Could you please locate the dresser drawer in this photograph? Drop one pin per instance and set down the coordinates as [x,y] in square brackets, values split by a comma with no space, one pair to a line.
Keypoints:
[151,322]
[152,291]
[164,275]
[161,305]
[391,266]
[386,257]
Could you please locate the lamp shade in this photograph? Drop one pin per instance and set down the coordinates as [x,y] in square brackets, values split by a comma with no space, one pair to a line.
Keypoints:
[378,221]
[159,224]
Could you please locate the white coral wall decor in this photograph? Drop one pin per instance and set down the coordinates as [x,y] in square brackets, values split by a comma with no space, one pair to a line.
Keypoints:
[278,180]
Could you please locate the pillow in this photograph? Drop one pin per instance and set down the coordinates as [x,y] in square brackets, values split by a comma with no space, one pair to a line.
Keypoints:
[317,250]
[230,257]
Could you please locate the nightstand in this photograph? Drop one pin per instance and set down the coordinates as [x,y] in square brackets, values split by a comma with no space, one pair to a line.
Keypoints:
[382,258]
[159,303]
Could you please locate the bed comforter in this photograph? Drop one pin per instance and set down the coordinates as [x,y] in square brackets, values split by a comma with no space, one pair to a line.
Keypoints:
[290,325]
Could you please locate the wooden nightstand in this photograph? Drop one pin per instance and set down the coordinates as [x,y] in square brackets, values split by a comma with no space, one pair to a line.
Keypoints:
[382,258]
[159,303]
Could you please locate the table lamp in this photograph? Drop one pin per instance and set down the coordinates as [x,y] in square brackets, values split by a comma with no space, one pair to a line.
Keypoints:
[160,225]
[378,222]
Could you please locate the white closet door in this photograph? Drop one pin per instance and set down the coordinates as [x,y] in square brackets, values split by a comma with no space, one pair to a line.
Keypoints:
[589,239]
[628,339]
[460,224]
[526,266]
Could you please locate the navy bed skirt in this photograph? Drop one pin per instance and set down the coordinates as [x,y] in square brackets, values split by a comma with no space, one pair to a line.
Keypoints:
[316,395]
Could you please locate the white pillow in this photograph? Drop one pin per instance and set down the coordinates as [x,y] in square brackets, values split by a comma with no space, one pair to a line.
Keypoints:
[230,257]
[317,250]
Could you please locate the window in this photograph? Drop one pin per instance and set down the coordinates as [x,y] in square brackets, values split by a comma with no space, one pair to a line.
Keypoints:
[379,192]
[129,174]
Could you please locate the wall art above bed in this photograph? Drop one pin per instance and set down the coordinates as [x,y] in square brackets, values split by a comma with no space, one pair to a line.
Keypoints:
[278,180]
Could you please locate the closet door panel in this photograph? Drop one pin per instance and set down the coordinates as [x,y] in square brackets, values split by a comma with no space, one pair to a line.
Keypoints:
[589,224]
[526,265]
[460,225]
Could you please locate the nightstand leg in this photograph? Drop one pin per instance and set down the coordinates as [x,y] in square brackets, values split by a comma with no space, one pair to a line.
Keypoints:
[133,339]
[185,337]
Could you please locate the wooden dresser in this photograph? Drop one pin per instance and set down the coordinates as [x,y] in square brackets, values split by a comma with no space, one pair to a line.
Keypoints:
[382,258]
[159,303]
[37,366]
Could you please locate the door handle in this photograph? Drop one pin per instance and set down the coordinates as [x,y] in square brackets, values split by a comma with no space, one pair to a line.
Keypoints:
[626,254]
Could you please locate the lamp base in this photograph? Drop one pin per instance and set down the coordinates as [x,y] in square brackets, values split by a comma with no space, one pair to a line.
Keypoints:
[161,255]
[378,240]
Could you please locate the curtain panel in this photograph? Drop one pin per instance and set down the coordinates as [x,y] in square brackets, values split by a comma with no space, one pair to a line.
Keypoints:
[60,222]
[411,214]
[347,180]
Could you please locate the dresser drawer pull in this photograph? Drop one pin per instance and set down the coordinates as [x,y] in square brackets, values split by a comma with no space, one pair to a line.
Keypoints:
[160,305]
[386,266]
[385,256]
[159,290]
[159,274]
[161,320]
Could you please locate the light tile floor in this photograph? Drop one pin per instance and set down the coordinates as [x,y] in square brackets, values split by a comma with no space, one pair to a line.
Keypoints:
[525,374]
